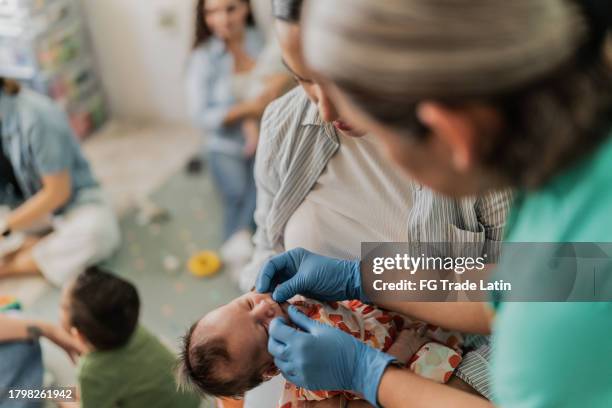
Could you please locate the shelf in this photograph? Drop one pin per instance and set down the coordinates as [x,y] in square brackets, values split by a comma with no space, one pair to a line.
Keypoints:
[44,43]
[19,73]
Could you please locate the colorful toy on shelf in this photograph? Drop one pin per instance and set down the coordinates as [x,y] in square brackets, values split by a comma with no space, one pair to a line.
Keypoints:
[8,303]
[54,55]
[205,263]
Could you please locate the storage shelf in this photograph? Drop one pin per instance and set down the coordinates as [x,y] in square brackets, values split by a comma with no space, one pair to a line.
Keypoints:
[45,45]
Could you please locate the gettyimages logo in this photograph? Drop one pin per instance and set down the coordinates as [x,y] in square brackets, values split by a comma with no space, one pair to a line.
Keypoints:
[412,264]
[449,272]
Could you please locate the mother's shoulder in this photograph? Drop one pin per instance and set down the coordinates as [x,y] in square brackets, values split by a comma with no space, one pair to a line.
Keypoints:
[284,116]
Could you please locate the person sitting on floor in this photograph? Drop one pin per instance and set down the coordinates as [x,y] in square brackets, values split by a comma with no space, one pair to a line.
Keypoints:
[21,362]
[123,364]
[45,179]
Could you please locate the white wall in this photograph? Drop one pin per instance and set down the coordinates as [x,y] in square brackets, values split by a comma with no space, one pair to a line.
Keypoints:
[142,61]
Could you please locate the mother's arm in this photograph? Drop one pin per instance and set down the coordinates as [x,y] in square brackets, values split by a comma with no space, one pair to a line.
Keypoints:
[402,388]
[399,388]
[466,317]
[469,317]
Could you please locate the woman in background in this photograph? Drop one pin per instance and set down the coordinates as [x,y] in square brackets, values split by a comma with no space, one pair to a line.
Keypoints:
[225,50]
[47,178]
[227,95]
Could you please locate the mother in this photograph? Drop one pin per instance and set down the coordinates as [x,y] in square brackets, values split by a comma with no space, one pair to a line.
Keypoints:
[325,186]
[468,96]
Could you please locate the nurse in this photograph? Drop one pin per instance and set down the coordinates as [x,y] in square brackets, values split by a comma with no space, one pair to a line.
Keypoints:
[469,96]
[46,178]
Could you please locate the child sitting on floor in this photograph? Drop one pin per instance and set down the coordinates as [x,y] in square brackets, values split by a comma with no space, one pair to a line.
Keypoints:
[225,353]
[123,365]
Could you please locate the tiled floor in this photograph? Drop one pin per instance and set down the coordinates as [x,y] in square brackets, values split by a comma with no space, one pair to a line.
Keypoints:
[133,160]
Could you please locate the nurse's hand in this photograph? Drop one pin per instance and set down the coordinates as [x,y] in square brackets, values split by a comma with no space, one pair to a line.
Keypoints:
[301,272]
[321,357]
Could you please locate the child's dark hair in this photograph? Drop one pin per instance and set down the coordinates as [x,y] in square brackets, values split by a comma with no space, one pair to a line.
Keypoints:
[200,367]
[104,308]
[202,31]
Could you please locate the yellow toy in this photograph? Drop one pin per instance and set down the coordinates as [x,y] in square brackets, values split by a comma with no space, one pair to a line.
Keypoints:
[205,263]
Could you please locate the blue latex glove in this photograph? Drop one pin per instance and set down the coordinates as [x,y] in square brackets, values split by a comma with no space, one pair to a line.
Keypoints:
[322,357]
[319,277]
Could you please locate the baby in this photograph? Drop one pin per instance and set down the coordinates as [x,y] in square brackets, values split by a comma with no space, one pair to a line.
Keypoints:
[225,353]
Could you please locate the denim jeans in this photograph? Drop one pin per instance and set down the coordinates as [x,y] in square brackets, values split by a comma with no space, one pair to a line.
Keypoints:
[233,177]
[21,367]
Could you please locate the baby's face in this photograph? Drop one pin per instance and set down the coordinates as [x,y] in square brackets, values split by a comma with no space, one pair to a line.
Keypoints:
[243,323]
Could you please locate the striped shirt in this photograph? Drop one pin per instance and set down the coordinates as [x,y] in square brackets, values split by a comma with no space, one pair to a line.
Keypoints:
[294,149]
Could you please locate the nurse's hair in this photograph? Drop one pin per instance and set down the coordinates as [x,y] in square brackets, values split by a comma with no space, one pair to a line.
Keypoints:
[9,86]
[202,31]
[287,10]
[542,63]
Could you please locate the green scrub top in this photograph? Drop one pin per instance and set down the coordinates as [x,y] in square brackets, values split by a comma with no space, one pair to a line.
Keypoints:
[557,354]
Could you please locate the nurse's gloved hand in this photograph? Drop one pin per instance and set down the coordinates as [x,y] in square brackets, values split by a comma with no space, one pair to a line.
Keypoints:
[322,357]
[301,272]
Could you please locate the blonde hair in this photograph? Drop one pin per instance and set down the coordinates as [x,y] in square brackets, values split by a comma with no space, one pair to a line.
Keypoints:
[524,56]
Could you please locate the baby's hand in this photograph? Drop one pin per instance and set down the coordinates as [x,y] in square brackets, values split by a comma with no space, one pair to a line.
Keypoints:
[406,345]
